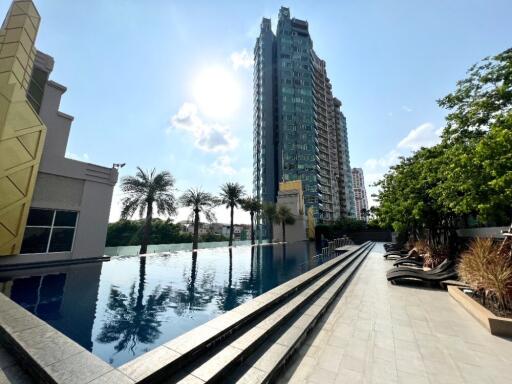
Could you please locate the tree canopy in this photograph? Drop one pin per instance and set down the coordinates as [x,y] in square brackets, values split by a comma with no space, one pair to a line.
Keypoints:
[469,174]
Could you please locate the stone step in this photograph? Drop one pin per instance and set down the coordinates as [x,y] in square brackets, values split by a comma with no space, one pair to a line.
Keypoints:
[265,364]
[308,304]
[162,362]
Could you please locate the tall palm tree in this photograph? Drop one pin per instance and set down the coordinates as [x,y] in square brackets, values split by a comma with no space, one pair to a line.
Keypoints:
[142,192]
[269,212]
[200,202]
[231,194]
[284,216]
[253,206]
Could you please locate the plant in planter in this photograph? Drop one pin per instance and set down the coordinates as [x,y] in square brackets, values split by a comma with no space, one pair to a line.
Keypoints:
[435,255]
[489,274]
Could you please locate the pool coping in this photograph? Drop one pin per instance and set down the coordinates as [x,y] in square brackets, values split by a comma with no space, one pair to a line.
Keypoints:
[52,357]
[49,355]
[153,365]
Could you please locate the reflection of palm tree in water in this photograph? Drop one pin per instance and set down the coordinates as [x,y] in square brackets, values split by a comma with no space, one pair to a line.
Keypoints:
[196,295]
[130,320]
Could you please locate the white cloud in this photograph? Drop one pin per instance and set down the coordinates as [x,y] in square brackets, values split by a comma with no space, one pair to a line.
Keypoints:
[424,135]
[222,164]
[242,59]
[209,137]
[406,108]
[74,156]
[385,161]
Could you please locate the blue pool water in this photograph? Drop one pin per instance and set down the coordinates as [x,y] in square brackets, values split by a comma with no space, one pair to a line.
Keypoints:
[129,305]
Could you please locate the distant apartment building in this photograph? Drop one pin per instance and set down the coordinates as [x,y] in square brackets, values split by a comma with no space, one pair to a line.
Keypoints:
[61,206]
[361,199]
[299,130]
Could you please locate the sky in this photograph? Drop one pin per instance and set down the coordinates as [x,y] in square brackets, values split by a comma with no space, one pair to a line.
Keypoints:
[167,84]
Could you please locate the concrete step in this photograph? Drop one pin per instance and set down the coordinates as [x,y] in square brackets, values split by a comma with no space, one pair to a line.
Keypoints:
[166,360]
[265,363]
[297,315]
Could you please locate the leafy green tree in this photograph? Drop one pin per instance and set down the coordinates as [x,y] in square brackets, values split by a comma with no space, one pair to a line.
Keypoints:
[284,217]
[253,206]
[129,232]
[269,213]
[142,192]
[469,174]
[201,203]
[231,195]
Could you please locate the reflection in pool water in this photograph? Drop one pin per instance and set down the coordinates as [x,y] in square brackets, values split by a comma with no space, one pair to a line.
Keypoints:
[125,307]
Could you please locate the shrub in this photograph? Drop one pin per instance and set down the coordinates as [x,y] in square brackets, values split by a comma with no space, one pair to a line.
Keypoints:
[435,255]
[488,272]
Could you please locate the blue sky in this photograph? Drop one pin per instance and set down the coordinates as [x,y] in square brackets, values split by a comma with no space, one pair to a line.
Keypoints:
[141,78]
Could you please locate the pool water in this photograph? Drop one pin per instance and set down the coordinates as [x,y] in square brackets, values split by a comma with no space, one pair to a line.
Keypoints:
[127,306]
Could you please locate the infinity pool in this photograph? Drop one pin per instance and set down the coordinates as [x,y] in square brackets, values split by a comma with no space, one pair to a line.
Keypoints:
[129,305]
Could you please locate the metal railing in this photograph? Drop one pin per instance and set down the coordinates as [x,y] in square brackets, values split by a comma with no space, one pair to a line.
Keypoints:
[328,252]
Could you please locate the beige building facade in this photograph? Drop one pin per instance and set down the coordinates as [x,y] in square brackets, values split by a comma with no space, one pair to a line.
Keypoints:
[65,214]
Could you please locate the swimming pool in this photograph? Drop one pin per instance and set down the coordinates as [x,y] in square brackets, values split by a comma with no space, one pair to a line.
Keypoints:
[127,306]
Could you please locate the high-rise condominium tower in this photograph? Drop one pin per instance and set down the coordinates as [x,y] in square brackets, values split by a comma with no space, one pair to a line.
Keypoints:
[360,194]
[300,132]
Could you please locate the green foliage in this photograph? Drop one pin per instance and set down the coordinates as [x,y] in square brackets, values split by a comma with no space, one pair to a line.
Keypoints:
[284,215]
[129,232]
[145,189]
[469,174]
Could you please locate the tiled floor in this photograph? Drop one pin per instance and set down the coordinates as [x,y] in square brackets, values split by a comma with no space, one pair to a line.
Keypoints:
[382,333]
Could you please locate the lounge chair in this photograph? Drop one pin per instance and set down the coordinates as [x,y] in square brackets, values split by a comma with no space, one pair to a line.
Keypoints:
[402,253]
[444,271]
[406,261]
[393,247]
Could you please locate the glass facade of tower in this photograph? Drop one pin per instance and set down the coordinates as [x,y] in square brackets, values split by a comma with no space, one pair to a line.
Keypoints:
[296,135]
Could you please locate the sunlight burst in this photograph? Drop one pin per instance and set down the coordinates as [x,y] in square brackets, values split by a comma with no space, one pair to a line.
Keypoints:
[217,92]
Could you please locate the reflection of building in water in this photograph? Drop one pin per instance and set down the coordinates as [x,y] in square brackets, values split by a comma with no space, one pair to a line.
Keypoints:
[64,298]
[277,264]
[290,194]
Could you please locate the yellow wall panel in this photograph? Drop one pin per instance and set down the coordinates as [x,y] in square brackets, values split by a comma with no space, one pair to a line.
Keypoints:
[22,132]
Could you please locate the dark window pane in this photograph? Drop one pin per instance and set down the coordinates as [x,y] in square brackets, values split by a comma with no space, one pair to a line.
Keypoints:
[62,239]
[65,219]
[35,240]
[40,217]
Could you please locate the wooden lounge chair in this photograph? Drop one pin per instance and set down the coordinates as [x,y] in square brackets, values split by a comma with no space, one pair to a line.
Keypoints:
[402,253]
[445,271]
[440,268]
[407,261]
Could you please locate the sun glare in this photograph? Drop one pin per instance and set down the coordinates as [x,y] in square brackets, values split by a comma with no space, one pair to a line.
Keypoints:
[216,92]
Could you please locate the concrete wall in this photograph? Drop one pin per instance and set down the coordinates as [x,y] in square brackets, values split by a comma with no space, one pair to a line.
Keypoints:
[67,184]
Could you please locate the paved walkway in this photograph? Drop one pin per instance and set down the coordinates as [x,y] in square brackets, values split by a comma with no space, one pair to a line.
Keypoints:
[382,333]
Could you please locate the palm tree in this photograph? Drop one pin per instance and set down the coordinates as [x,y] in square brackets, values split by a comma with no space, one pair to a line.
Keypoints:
[284,216]
[231,194]
[200,202]
[144,190]
[269,211]
[253,206]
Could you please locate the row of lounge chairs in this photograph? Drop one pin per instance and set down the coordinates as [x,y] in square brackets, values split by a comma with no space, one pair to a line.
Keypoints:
[409,267]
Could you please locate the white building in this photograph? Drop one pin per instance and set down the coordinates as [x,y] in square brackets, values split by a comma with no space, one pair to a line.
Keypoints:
[360,193]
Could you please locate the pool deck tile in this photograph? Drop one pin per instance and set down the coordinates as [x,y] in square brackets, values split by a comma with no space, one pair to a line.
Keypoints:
[78,369]
[112,377]
[148,363]
[46,345]
[382,333]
